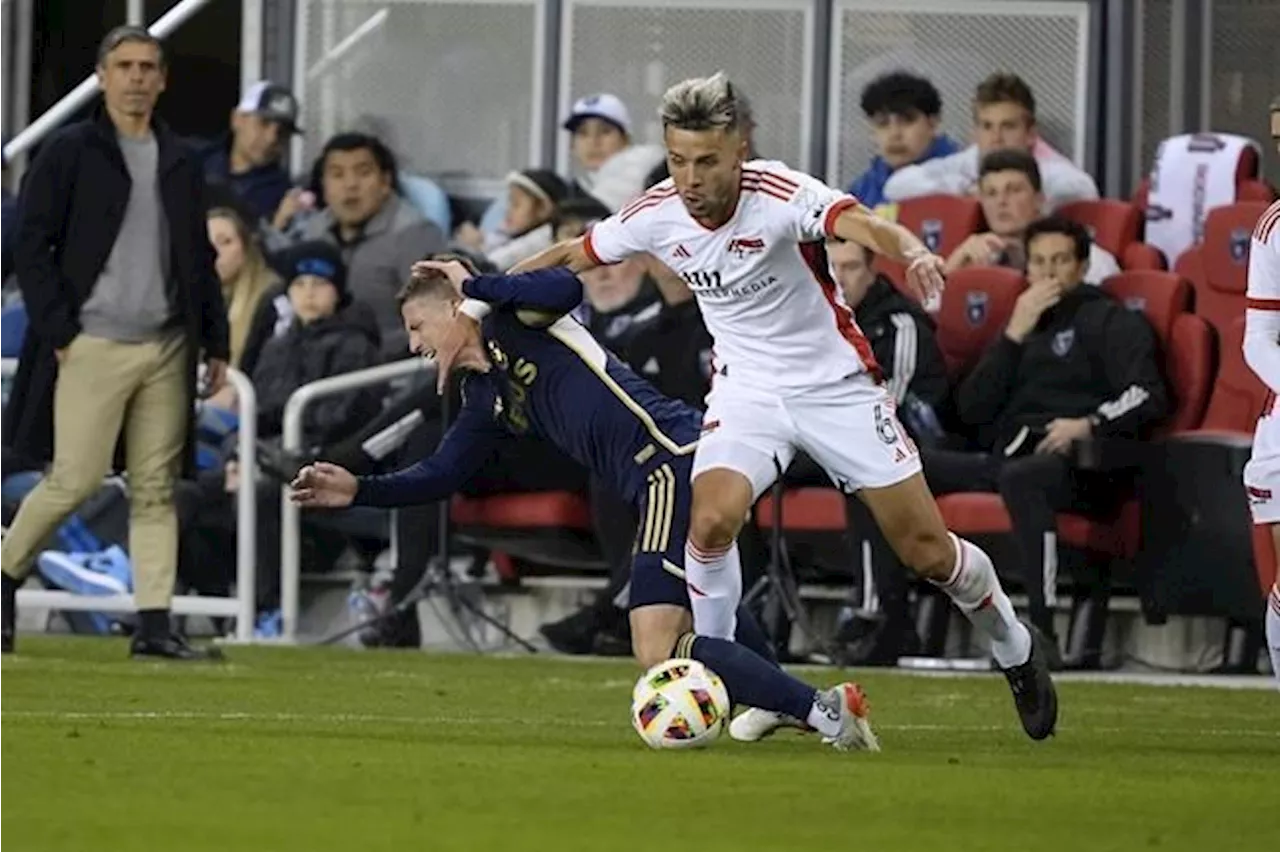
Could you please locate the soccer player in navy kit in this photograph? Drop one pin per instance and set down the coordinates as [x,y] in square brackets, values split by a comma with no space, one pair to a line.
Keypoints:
[532,368]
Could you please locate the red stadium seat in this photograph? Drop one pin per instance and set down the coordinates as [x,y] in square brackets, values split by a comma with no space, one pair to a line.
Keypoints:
[1219,265]
[1190,361]
[1140,256]
[942,221]
[1238,395]
[809,509]
[551,529]
[1255,190]
[1114,225]
[975,307]
[1246,181]
[1162,296]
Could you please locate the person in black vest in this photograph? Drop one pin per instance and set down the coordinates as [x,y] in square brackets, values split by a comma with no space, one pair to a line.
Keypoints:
[117,271]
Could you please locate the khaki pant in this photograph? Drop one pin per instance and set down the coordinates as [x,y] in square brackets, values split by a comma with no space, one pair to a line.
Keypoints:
[104,386]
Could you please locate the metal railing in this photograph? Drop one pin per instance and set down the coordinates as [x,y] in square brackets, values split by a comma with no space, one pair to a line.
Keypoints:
[243,606]
[290,516]
[83,93]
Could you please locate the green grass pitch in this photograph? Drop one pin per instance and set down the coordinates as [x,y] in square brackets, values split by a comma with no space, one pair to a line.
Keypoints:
[284,749]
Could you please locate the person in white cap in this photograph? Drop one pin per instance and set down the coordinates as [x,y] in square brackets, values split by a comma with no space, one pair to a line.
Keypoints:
[247,158]
[606,163]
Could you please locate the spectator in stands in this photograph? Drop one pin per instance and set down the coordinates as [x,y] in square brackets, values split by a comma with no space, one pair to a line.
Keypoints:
[1004,116]
[1072,364]
[902,336]
[247,158]
[245,275]
[904,112]
[1010,191]
[533,197]
[380,235]
[607,163]
[323,339]
[115,265]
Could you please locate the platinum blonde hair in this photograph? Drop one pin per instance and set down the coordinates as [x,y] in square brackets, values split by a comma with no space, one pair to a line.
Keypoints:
[702,103]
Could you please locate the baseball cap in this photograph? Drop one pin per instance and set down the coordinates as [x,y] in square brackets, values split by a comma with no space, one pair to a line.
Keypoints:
[273,102]
[603,106]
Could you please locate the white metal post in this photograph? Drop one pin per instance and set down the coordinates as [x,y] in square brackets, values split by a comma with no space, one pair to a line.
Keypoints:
[246,506]
[135,13]
[250,43]
[290,517]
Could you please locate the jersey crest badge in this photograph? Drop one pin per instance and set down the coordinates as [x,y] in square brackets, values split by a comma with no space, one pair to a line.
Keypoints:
[1063,341]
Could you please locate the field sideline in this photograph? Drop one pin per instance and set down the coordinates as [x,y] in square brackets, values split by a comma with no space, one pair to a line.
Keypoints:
[285,749]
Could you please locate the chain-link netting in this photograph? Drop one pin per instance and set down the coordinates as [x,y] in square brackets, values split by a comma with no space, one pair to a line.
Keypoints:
[636,51]
[1154,83]
[1244,73]
[450,86]
[956,49]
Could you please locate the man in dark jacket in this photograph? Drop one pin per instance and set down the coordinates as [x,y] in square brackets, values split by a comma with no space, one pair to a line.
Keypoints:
[247,158]
[117,271]
[1072,364]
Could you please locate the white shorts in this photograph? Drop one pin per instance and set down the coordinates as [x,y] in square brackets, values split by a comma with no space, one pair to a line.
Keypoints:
[849,428]
[1262,473]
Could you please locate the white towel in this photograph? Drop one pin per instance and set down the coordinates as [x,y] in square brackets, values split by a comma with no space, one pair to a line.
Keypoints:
[1192,174]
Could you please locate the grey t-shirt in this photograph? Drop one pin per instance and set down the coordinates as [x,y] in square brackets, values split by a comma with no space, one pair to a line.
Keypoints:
[129,302]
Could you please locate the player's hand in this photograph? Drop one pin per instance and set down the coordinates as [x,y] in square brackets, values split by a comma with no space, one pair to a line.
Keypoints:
[323,485]
[1033,302]
[460,332]
[215,375]
[1062,432]
[925,278]
[451,269]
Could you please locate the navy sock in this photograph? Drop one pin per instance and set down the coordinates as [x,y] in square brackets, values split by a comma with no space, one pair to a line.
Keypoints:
[750,679]
[752,635]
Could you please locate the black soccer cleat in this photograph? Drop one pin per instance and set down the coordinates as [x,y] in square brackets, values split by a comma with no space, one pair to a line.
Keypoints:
[1034,694]
[171,647]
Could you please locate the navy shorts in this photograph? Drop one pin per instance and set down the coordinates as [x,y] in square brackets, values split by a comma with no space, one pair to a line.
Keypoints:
[657,566]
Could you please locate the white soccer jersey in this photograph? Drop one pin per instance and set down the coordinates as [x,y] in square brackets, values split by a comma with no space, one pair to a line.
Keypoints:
[1262,315]
[778,320]
[1262,353]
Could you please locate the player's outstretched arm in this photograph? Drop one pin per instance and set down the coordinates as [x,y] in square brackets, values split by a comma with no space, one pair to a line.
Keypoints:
[924,268]
[571,253]
[461,453]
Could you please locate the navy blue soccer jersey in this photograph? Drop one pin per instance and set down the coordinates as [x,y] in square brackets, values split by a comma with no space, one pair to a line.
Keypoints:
[548,376]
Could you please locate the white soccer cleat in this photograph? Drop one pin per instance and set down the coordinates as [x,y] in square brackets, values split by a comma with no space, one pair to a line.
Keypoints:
[754,724]
[855,730]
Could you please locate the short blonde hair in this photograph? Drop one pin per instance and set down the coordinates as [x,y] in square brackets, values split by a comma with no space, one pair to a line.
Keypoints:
[702,103]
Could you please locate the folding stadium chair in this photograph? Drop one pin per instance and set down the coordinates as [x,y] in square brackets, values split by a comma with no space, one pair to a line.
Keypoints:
[943,222]
[975,307]
[1219,266]
[1114,225]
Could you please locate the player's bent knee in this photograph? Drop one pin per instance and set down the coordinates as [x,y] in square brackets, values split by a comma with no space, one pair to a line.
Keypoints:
[714,527]
[930,553]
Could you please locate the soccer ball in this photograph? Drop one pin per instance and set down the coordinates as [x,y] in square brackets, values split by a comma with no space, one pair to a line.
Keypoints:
[679,704]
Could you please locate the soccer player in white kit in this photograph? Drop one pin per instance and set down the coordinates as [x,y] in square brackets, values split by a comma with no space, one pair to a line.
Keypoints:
[1262,353]
[791,371]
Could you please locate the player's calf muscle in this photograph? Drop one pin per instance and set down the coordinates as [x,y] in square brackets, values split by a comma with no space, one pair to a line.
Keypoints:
[654,631]
[908,516]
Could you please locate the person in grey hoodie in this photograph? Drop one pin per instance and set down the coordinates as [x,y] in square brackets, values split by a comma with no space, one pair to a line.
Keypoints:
[1004,116]
[380,235]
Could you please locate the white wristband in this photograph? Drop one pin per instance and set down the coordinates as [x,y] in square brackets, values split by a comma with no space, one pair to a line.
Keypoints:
[475,309]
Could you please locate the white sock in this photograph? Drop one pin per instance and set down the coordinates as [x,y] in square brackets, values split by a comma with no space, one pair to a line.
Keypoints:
[825,718]
[714,578]
[1273,627]
[975,588]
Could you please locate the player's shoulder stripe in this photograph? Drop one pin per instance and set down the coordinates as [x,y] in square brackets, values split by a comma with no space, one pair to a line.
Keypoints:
[653,198]
[1267,223]
[769,183]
